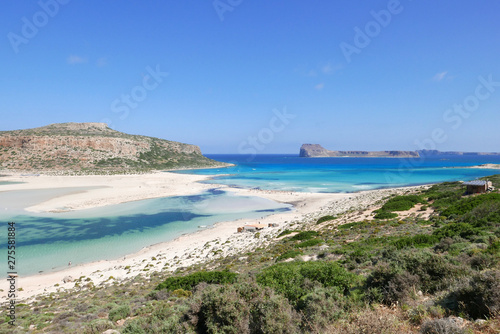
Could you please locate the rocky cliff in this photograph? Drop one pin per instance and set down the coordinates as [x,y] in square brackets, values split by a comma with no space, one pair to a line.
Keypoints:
[93,148]
[315,151]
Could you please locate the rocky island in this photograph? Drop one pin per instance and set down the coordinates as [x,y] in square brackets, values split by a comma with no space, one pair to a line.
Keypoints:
[89,148]
[316,151]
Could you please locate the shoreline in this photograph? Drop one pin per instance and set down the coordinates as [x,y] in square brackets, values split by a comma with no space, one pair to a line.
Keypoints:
[486,166]
[219,240]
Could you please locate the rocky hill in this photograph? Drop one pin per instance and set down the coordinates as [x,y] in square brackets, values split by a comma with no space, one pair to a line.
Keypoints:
[93,148]
[315,151]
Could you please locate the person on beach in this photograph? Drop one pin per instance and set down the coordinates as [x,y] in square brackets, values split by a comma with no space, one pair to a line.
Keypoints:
[69,264]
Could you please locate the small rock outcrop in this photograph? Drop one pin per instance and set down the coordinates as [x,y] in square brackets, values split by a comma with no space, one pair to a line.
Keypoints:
[68,279]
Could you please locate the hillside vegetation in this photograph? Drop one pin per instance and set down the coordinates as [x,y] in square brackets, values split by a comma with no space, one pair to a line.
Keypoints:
[93,148]
[414,273]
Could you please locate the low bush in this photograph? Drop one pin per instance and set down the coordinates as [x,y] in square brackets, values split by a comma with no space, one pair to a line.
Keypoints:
[441,326]
[389,284]
[166,318]
[434,271]
[467,204]
[289,278]
[242,308]
[285,232]
[325,219]
[350,225]
[385,215]
[402,203]
[419,240]
[119,312]
[190,281]
[451,230]
[478,296]
[322,306]
[309,243]
[494,248]
[288,255]
[305,235]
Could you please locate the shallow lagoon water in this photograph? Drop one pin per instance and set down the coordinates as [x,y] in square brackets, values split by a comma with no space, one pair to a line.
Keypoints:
[47,242]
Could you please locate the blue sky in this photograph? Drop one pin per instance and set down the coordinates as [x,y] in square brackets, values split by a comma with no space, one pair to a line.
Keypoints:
[236,76]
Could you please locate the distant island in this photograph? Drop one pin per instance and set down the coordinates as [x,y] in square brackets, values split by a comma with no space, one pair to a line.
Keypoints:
[93,148]
[318,151]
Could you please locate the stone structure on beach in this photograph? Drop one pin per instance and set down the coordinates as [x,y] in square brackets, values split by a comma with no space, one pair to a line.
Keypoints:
[93,148]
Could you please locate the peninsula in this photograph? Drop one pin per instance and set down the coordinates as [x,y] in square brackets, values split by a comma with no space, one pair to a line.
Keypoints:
[90,148]
[318,151]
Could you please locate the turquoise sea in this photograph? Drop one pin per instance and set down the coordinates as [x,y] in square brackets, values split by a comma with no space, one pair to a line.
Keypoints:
[289,172]
[47,242]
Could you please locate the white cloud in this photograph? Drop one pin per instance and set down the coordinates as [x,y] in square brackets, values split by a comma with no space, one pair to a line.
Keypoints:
[440,76]
[102,62]
[330,69]
[327,68]
[312,73]
[319,86]
[74,59]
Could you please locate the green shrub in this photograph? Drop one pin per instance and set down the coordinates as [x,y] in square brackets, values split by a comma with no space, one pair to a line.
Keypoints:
[325,219]
[322,306]
[190,281]
[243,308]
[451,230]
[494,248]
[309,243]
[305,235]
[419,240]
[288,278]
[165,318]
[402,203]
[478,296]
[285,232]
[350,225]
[389,284]
[288,255]
[445,199]
[434,271]
[99,326]
[385,215]
[466,205]
[180,293]
[119,312]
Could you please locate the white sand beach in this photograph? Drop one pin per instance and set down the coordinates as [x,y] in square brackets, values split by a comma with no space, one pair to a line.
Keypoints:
[219,241]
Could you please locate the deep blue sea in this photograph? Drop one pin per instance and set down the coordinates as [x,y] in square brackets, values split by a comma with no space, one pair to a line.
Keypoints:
[290,172]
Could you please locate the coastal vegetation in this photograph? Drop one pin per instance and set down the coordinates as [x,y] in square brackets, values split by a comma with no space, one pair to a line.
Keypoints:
[431,271]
